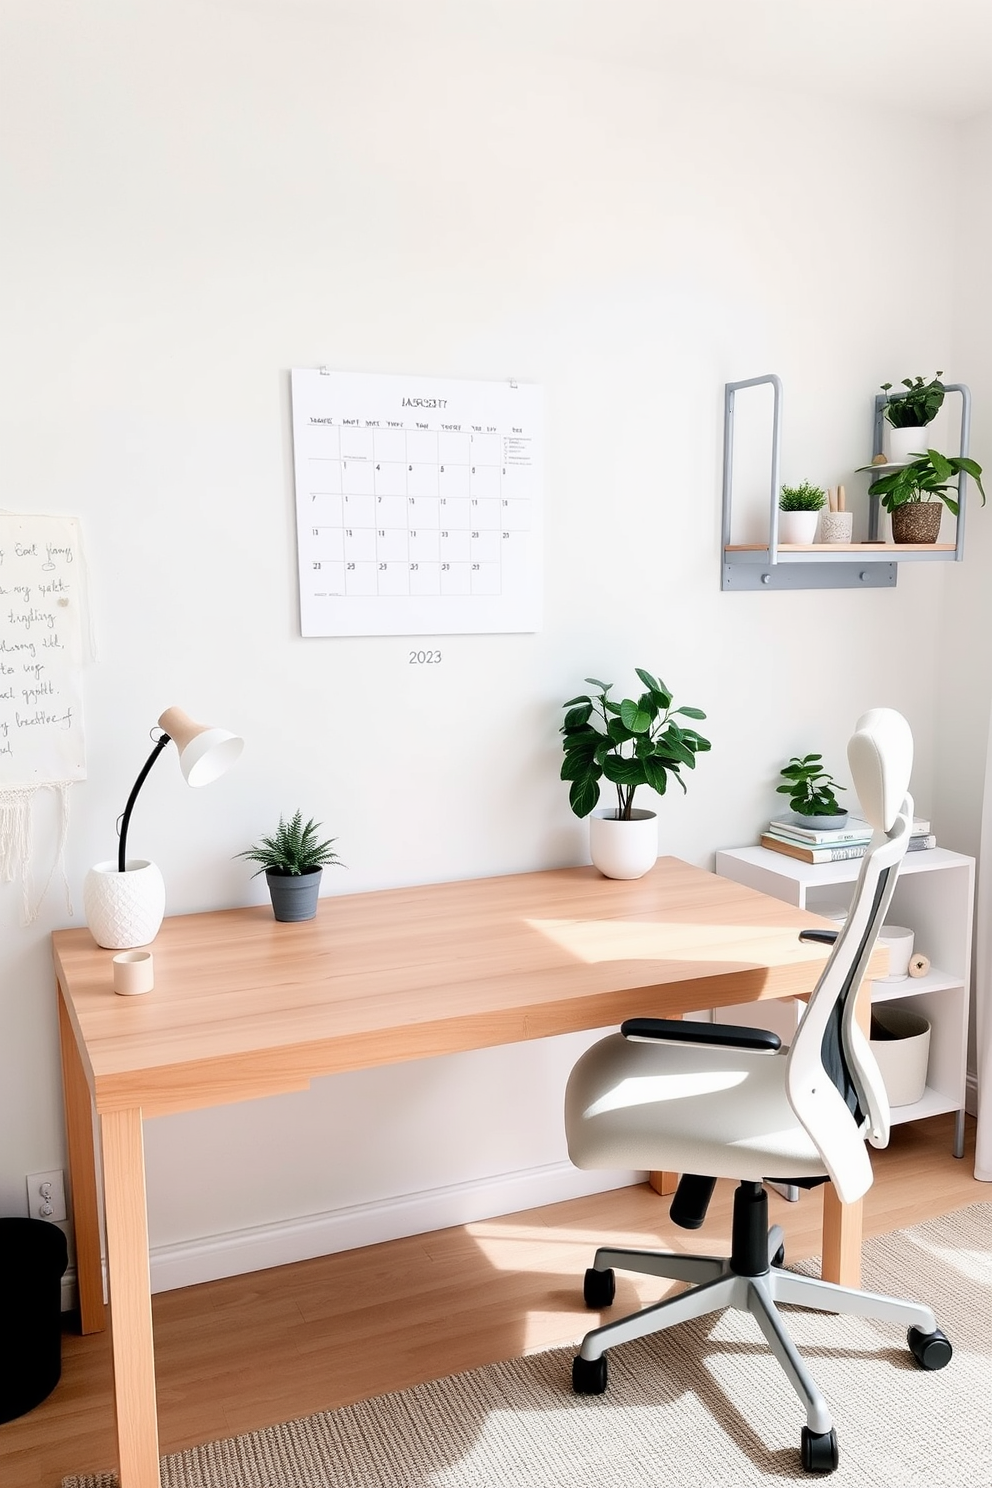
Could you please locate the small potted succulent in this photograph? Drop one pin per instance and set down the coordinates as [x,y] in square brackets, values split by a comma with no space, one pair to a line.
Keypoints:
[811,793]
[909,412]
[908,494]
[799,510]
[629,743]
[292,861]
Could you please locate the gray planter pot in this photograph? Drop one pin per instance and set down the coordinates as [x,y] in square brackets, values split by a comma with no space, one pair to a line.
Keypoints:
[821,823]
[294,896]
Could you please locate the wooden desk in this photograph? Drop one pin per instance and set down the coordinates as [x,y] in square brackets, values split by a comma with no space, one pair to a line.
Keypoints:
[244,1006]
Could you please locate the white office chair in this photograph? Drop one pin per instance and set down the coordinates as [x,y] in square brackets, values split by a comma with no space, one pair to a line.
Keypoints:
[716,1101]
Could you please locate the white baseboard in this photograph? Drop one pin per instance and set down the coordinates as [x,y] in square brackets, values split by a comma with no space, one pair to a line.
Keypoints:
[258,1248]
[69,1293]
[236,1252]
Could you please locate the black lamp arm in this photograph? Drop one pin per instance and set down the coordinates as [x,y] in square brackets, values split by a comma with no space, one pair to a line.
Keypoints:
[160,744]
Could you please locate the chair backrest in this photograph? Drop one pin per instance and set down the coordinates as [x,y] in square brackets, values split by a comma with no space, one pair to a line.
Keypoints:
[832,1080]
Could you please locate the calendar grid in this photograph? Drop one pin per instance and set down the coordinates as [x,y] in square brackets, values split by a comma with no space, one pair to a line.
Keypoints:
[421,523]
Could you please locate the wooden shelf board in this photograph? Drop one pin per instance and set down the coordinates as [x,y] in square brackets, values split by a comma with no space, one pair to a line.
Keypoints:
[931,1103]
[875,549]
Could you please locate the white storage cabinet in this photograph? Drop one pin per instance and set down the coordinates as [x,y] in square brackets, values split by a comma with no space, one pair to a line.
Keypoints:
[934,896]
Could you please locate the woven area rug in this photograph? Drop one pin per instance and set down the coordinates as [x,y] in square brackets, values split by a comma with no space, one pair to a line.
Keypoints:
[700,1407]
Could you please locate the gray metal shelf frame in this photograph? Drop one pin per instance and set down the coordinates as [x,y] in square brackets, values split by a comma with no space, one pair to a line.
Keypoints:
[871,565]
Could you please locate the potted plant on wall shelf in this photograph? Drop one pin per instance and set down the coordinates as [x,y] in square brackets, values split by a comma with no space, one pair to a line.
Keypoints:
[799,512]
[292,861]
[629,743]
[908,494]
[811,793]
[909,412]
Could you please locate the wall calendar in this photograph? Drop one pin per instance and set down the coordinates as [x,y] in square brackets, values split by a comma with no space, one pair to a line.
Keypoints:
[418,504]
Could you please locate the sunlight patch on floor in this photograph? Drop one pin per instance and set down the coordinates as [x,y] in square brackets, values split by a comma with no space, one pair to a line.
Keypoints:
[551,1253]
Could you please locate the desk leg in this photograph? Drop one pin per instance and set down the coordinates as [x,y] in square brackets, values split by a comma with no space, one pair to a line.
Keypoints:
[842,1230]
[130,1299]
[82,1179]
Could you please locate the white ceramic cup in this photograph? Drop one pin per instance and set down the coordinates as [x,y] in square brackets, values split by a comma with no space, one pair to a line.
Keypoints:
[134,972]
[836,527]
[899,940]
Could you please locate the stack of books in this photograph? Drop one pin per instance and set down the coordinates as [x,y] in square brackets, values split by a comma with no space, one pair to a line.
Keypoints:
[821,845]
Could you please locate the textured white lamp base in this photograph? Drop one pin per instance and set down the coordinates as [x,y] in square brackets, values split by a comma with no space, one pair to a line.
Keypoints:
[623,849]
[124,910]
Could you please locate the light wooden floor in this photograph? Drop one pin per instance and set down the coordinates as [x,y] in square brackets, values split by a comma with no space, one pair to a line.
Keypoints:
[246,1352]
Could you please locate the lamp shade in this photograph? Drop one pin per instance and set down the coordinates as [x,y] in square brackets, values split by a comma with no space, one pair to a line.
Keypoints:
[205,753]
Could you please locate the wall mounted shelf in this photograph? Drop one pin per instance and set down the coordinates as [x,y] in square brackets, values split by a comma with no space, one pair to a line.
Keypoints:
[867,565]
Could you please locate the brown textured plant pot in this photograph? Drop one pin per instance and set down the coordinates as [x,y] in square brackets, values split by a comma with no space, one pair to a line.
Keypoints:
[917,522]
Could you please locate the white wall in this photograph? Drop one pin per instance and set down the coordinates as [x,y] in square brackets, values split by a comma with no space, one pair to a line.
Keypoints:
[962,694]
[198,197]
[963,688]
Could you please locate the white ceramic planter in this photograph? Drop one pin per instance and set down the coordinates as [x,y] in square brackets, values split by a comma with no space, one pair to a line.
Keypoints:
[797,526]
[623,849]
[902,445]
[837,527]
[124,910]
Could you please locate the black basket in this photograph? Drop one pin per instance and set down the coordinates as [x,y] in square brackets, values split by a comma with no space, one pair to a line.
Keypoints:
[33,1259]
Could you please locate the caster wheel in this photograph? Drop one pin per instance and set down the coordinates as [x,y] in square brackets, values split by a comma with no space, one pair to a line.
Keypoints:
[589,1376]
[599,1288]
[778,1259]
[930,1350]
[819,1450]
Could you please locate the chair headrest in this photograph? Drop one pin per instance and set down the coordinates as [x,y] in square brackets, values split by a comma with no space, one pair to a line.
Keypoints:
[880,753]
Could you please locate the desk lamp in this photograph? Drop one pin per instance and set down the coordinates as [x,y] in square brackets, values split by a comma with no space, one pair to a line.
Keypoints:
[124,900]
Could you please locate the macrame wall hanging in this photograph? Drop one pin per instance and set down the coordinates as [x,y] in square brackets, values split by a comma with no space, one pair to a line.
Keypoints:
[42,630]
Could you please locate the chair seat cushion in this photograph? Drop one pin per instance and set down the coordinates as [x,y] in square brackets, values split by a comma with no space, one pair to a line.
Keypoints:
[682,1108]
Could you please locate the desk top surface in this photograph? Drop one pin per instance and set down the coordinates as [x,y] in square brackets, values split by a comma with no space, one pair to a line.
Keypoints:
[244,1005]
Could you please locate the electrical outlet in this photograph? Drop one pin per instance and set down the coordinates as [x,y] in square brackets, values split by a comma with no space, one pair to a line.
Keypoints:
[46,1196]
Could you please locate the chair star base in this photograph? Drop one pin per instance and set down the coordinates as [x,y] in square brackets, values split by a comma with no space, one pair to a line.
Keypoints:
[717,1282]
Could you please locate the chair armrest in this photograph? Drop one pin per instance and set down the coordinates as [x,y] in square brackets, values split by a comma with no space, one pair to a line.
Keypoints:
[716,1035]
[824,937]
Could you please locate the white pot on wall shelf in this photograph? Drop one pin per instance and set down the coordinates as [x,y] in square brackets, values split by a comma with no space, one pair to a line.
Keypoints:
[797,526]
[903,445]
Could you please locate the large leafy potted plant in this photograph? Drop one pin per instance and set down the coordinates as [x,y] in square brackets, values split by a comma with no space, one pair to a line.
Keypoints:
[292,861]
[909,412]
[915,495]
[634,742]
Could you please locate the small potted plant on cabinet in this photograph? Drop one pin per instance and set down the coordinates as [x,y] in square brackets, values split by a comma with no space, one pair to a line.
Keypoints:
[630,743]
[908,494]
[811,793]
[292,861]
[799,512]
[909,412]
